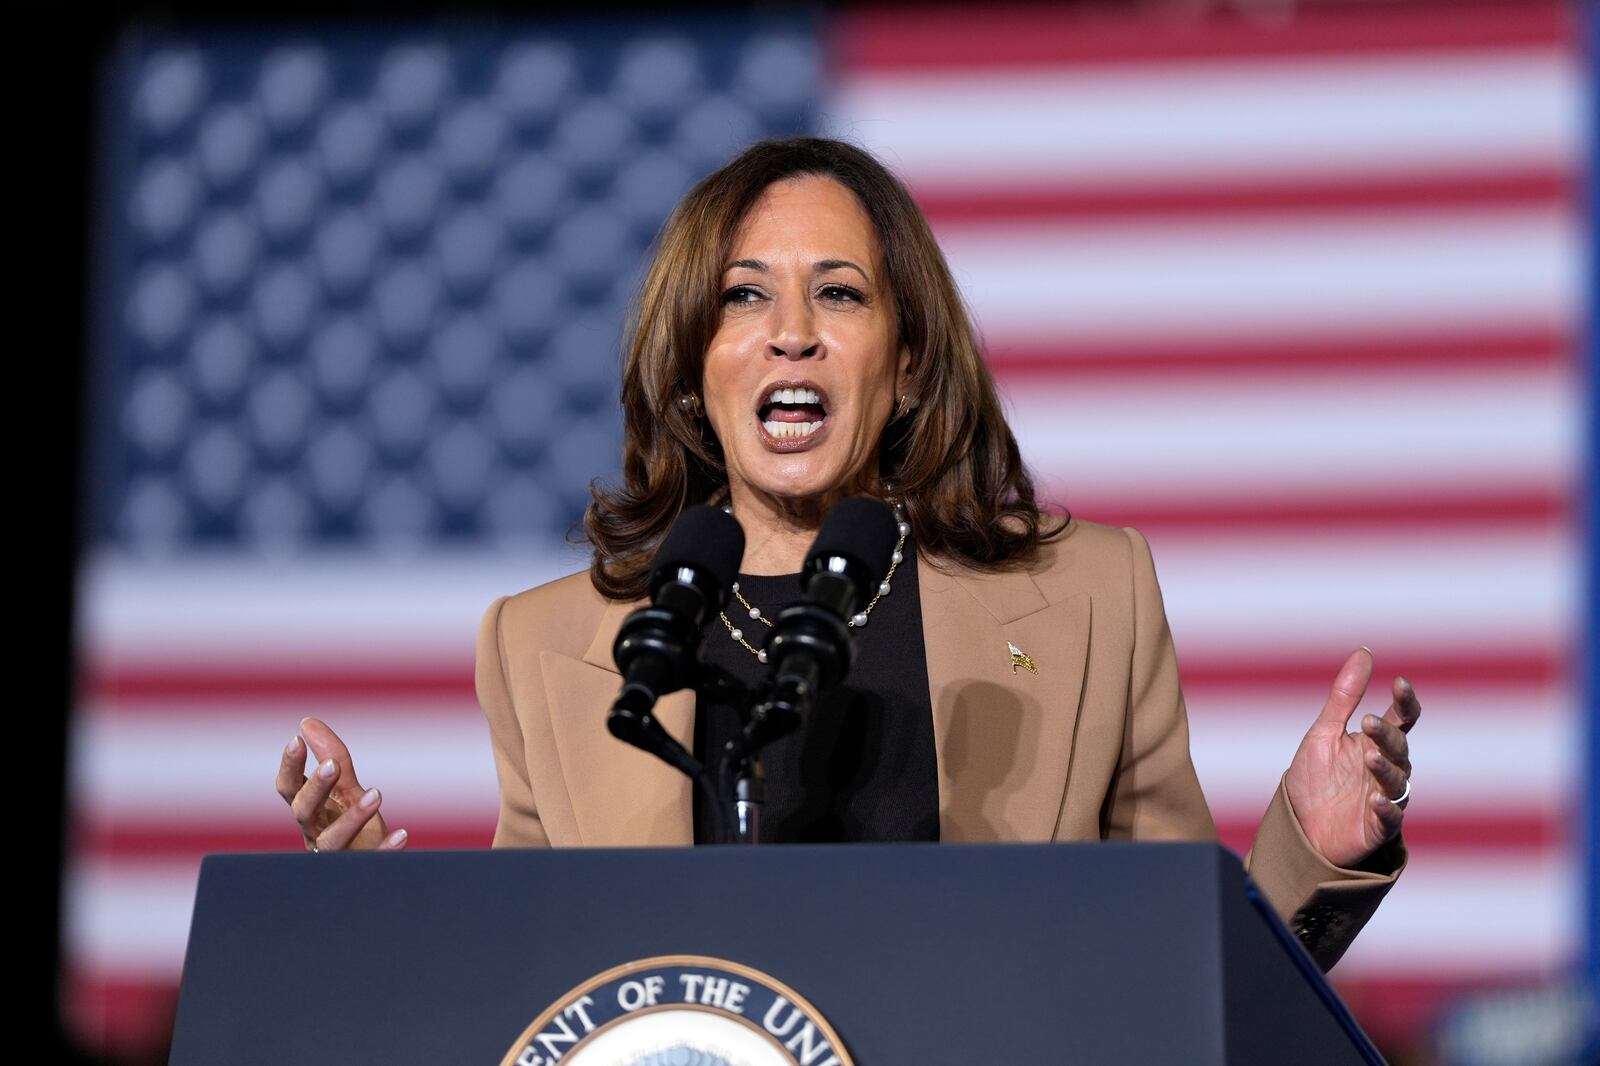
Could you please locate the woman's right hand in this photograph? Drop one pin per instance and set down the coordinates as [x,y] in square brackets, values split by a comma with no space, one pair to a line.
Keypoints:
[333,810]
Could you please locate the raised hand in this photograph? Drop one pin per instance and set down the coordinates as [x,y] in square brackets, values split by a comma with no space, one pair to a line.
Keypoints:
[1343,785]
[333,809]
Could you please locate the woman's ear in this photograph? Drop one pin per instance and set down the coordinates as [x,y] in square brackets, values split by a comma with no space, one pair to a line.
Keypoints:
[902,381]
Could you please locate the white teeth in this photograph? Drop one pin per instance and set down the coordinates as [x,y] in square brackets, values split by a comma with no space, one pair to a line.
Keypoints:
[790,430]
[794,396]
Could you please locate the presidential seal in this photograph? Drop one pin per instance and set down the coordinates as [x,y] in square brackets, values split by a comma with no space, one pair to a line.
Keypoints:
[679,1010]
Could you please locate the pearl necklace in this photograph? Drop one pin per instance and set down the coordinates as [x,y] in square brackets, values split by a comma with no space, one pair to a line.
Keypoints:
[856,621]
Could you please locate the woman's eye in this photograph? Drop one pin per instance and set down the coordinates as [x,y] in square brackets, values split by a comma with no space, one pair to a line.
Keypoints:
[733,296]
[833,293]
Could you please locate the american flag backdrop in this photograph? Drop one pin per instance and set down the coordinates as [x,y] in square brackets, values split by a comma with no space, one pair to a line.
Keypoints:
[1299,294]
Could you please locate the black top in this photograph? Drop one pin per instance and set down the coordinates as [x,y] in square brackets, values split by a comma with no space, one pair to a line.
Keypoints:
[861,766]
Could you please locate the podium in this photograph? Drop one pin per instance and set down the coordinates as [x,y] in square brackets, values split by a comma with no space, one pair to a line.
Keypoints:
[912,953]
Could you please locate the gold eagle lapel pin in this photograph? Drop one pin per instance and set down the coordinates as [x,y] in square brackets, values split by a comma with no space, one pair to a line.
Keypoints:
[1020,658]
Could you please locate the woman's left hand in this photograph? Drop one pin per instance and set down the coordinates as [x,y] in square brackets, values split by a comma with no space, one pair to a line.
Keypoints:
[1342,785]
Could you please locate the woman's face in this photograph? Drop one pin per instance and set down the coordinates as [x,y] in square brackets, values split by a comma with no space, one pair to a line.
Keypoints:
[802,373]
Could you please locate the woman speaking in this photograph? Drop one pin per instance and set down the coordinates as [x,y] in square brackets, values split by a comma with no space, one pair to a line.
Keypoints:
[798,339]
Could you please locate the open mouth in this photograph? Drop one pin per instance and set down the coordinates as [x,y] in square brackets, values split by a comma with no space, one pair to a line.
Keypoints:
[793,415]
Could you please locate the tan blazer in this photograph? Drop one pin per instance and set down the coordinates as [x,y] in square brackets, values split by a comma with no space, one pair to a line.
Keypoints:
[1095,745]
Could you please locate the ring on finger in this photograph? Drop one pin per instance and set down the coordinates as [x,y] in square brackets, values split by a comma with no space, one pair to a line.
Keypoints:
[1399,801]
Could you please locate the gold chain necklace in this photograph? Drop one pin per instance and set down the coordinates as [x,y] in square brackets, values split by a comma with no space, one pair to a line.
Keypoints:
[856,621]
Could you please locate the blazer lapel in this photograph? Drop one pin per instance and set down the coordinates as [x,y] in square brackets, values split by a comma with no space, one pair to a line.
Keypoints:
[620,795]
[1003,734]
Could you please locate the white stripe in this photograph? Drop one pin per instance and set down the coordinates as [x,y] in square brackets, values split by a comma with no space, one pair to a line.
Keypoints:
[189,769]
[1389,271]
[129,920]
[1445,916]
[1242,741]
[1389,589]
[1465,917]
[1187,438]
[318,609]
[1279,117]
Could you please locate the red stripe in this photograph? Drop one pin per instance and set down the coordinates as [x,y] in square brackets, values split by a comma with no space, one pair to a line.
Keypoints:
[144,840]
[410,683]
[1014,35]
[1430,831]
[1495,665]
[1249,516]
[126,1019]
[1456,666]
[1530,347]
[1398,1011]
[948,208]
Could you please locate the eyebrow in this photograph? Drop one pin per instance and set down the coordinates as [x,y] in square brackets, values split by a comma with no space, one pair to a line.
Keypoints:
[820,266]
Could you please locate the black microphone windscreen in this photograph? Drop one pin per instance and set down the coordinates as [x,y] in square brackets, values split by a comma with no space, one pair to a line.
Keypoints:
[705,538]
[859,528]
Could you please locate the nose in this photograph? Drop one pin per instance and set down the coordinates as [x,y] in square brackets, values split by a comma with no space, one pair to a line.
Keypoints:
[794,330]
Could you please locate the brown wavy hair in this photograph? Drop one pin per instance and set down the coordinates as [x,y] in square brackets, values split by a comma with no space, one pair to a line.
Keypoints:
[952,458]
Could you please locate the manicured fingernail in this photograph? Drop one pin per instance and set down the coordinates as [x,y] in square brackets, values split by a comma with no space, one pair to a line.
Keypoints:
[328,769]
[397,838]
[293,747]
[1366,649]
[369,798]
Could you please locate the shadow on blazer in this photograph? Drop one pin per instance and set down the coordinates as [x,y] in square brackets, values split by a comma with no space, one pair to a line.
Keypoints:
[1095,745]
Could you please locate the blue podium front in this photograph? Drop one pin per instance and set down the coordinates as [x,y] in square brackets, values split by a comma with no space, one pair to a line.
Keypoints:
[854,955]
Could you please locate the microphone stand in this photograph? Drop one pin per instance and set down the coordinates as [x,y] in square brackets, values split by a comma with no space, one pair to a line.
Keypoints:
[631,721]
[736,794]
[645,732]
[740,775]
[728,690]
[811,644]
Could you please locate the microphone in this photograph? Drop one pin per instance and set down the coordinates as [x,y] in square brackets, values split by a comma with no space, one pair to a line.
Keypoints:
[809,650]
[656,647]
